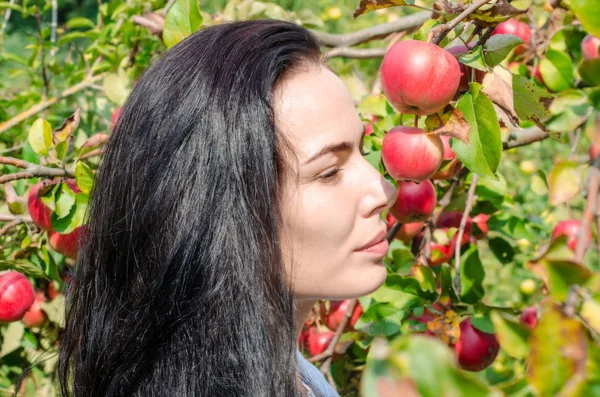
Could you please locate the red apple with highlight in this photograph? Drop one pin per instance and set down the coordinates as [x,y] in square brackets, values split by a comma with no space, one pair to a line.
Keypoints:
[16,296]
[415,202]
[418,77]
[570,228]
[66,244]
[317,342]
[411,155]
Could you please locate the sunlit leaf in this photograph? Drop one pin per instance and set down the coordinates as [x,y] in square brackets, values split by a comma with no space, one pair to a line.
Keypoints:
[183,19]
[40,137]
[564,182]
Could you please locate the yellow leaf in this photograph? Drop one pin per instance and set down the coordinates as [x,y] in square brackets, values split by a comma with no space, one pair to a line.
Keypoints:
[446,327]
[371,5]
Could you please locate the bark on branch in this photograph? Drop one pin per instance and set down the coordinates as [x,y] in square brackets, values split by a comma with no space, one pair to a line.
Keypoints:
[360,36]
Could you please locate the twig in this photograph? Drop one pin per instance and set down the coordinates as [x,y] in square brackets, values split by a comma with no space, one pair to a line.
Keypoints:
[575,143]
[46,104]
[393,231]
[356,53]
[340,330]
[6,18]
[360,36]
[8,226]
[95,152]
[442,30]
[53,26]
[31,170]
[15,162]
[524,137]
[38,19]
[168,7]
[461,232]
[13,148]
[588,212]
[12,218]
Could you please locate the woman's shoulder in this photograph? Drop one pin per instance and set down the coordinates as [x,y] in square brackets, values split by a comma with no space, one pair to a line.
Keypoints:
[312,378]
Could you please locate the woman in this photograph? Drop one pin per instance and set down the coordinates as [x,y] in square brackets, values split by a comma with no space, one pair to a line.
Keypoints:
[231,196]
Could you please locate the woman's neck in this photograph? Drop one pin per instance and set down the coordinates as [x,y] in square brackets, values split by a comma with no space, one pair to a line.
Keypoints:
[303,308]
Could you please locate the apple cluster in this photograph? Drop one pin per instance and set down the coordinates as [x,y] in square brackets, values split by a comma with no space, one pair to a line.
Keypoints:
[65,244]
[318,333]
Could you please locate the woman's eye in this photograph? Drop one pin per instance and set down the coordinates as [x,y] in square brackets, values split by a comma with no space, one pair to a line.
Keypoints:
[331,175]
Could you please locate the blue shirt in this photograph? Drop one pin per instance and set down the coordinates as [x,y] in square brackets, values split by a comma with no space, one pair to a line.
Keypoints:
[313,380]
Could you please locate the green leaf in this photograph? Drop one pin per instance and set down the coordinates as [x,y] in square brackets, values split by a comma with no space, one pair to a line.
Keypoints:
[373,105]
[558,352]
[23,266]
[115,86]
[563,274]
[557,70]
[588,13]
[40,137]
[61,150]
[64,200]
[84,177]
[589,70]
[530,101]
[511,335]
[182,20]
[471,277]
[80,22]
[447,292]
[482,155]
[409,285]
[381,319]
[6,5]
[474,58]
[12,338]
[502,249]
[55,310]
[74,218]
[497,48]
[564,182]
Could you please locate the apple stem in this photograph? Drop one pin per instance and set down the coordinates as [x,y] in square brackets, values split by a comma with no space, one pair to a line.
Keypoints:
[442,30]
[461,231]
[416,121]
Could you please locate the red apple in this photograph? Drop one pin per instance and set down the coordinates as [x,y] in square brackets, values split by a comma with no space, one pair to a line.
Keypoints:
[537,75]
[594,151]
[39,212]
[418,77]
[448,152]
[452,219]
[415,202]
[16,296]
[337,310]
[465,71]
[65,244]
[529,317]
[115,117]
[476,350]
[589,47]
[35,316]
[570,228]
[318,341]
[516,28]
[411,155]
[481,222]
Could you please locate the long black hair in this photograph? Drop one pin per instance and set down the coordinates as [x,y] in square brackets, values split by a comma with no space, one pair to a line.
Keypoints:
[179,288]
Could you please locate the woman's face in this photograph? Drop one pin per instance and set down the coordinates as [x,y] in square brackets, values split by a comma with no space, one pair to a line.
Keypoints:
[332,200]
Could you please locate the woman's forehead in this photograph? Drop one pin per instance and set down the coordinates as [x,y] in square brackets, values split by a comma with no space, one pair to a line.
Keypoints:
[313,108]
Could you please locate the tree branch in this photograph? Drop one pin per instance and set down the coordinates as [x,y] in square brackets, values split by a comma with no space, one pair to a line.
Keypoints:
[356,53]
[522,137]
[46,104]
[439,32]
[360,36]
[461,232]
[31,170]
[12,218]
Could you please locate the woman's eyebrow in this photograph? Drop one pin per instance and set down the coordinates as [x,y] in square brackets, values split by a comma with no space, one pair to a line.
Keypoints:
[334,148]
